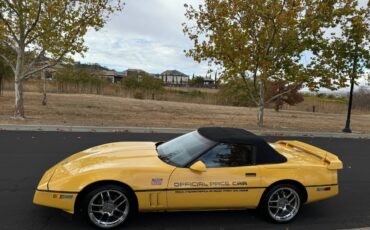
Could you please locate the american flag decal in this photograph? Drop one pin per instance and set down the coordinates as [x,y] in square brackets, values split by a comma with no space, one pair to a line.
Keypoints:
[157,181]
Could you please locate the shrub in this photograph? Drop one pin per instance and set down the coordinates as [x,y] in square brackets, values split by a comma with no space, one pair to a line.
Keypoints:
[234,93]
[139,95]
[361,99]
[292,97]
[197,82]
[141,80]
[81,79]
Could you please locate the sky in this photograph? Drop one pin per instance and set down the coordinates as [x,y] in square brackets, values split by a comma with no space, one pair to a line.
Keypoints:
[146,35]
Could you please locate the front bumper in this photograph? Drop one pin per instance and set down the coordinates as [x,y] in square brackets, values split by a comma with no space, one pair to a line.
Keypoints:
[61,200]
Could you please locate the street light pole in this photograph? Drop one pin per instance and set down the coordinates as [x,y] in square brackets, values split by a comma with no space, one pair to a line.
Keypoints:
[347,129]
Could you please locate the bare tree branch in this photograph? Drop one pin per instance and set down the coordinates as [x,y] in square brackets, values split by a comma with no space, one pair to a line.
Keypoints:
[34,24]
[30,66]
[275,28]
[7,43]
[9,27]
[8,62]
[251,96]
[11,6]
[57,22]
[29,73]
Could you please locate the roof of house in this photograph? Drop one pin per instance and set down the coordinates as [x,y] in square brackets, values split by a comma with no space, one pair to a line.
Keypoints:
[174,73]
[108,72]
[125,73]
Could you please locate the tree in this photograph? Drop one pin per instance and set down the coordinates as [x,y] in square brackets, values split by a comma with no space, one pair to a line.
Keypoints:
[83,79]
[52,28]
[346,54]
[233,92]
[291,98]
[141,80]
[5,73]
[197,81]
[258,40]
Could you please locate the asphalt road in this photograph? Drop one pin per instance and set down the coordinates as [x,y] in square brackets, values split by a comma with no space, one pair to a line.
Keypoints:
[24,156]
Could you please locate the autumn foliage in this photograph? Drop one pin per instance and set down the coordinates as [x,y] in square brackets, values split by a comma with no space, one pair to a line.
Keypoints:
[291,98]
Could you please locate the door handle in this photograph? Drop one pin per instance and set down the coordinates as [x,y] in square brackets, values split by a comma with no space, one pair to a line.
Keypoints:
[251,174]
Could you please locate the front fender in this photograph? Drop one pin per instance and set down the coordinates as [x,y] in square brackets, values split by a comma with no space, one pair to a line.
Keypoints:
[62,181]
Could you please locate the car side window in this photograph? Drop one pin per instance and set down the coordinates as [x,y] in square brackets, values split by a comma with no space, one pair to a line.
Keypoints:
[229,155]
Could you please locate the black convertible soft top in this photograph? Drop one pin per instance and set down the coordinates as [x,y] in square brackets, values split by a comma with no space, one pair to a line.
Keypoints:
[265,154]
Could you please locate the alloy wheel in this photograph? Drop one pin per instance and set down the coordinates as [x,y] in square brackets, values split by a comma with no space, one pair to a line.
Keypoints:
[108,208]
[283,204]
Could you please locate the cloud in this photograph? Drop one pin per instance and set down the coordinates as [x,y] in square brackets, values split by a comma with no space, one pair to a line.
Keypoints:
[146,35]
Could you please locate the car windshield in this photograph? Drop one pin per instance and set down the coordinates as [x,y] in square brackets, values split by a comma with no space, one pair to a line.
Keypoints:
[183,149]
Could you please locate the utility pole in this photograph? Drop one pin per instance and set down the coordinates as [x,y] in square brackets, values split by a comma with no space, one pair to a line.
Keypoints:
[347,129]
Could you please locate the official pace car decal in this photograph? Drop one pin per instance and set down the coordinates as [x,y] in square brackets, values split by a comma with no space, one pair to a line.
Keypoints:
[212,186]
[202,186]
[209,184]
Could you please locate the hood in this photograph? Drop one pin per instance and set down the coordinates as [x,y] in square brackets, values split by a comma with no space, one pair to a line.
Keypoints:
[112,155]
[121,150]
[121,161]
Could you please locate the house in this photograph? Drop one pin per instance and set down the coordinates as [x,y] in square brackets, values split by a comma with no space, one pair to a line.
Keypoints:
[112,75]
[135,72]
[49,72]
[173,78]
[108,74]
[208,82]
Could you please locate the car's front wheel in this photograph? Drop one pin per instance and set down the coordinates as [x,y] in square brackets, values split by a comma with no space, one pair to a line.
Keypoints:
[282,203]
[108,206]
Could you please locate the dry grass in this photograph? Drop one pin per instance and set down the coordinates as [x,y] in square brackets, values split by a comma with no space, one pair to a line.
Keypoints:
[93,110]
[322,106]
[188,95]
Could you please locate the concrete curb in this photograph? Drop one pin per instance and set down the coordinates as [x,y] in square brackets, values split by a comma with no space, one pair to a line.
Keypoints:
[56,128]
[365,228]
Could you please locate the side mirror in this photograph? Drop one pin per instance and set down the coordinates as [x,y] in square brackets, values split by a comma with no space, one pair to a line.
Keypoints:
[198,166]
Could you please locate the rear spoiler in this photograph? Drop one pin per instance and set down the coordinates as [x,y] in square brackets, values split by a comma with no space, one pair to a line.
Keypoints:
[330,159]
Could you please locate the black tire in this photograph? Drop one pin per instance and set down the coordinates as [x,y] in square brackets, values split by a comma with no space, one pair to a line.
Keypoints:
[108,206]
[291,210]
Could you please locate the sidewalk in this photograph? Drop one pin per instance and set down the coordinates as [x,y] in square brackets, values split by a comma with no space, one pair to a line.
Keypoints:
[56,128]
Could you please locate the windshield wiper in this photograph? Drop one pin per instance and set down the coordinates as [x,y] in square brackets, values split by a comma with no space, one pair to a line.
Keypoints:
[167,159]
[164,158]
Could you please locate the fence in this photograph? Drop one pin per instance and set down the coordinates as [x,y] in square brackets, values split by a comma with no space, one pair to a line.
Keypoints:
[361,102]
[166,94]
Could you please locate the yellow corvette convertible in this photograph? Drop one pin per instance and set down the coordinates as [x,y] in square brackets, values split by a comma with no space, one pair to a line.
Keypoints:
[207,169]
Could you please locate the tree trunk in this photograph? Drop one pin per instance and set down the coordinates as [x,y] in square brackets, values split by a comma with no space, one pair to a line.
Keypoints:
[19,109]
[1,86]
[44,96]
[261,109]
[261,105]
[18,88]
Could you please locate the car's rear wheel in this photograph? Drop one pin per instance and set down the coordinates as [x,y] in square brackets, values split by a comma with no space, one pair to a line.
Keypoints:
[282,203]
[108,206]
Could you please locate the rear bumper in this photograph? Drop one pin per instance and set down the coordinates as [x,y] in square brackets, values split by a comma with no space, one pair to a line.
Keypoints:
[316,193]
[61,200]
